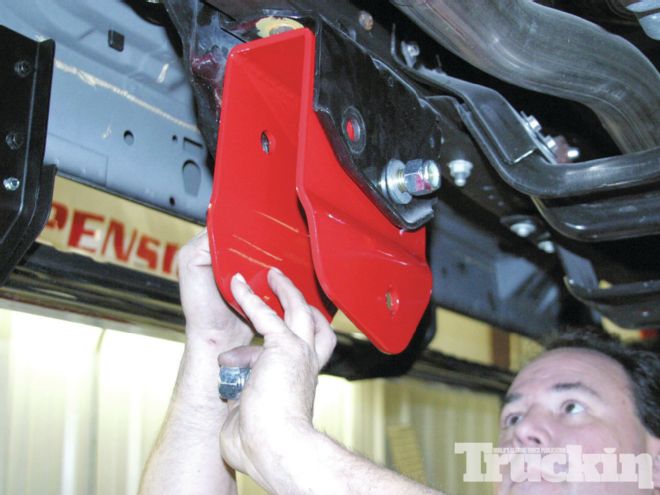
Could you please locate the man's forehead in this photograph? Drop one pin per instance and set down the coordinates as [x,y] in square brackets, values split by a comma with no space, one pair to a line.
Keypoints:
[583,369]
[560,387]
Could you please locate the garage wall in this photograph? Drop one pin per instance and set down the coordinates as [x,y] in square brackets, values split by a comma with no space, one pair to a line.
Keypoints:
[81,405]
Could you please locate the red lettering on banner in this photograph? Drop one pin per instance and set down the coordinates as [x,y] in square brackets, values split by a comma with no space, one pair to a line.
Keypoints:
[116,232]
[111,240]
[79,230]
[58,215]
[146,253]
[168,259]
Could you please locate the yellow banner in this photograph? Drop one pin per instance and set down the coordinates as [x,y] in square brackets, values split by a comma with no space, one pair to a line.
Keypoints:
[110,229]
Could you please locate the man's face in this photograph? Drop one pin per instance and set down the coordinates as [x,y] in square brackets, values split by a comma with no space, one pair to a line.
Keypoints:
[570,397]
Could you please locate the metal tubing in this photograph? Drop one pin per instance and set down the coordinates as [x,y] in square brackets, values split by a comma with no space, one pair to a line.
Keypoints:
[616,218]
[552,52]
[536,177]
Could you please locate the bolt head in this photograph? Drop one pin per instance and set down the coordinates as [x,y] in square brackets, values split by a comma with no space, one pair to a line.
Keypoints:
[550,143]
[412,49]
[421,177]
[23,68]
[231,382]
[547,246]
[366,20]
[573,154]
[11,184]
[523,229]
[460,171]
[15,140]
[534,124]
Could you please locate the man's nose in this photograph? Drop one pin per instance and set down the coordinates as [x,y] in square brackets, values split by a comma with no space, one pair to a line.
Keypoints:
[532,430]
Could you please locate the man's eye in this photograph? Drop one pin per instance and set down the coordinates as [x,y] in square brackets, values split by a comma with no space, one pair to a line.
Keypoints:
[512,419]
[573,408]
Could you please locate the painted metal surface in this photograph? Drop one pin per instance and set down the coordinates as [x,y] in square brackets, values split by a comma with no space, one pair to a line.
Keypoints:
[272,151]
[254,220]
[121,121]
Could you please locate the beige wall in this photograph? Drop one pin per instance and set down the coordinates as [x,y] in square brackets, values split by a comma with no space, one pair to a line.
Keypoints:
[81,405]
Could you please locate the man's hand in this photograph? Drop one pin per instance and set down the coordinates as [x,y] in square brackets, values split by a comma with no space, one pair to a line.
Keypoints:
[275,408]
[268,433]
[208,317]
[186,458]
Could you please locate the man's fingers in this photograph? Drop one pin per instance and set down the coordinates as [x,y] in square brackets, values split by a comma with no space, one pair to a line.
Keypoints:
[303,320]
[325,338]
[263,318]
[297,313]
[241,357]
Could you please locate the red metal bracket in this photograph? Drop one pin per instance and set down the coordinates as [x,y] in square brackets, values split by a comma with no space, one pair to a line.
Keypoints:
[273,152]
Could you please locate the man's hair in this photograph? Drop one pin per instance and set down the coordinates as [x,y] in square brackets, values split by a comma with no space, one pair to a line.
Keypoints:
[640,364]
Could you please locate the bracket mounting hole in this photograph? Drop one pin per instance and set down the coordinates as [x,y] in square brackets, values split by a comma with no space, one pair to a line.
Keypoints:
[354,130]
[392,301]
[266,142]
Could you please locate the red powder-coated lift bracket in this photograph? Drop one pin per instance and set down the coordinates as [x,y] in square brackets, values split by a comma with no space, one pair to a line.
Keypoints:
[273,155]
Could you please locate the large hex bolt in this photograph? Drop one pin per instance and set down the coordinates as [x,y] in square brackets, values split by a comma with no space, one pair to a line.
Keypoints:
[231,382]
[416,178]
[421,177]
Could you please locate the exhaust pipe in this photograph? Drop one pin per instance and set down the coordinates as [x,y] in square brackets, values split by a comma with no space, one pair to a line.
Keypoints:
[552,52]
